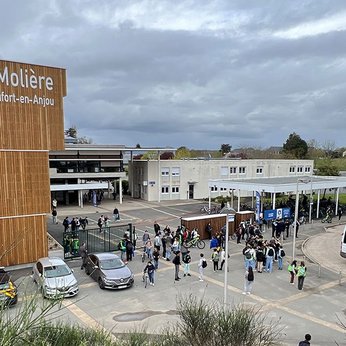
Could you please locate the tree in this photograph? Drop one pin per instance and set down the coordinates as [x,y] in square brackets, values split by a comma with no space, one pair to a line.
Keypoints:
[182,153]
[71,132]
[295,146]
[225,148]
[327,168]
[138,146]
[167,155]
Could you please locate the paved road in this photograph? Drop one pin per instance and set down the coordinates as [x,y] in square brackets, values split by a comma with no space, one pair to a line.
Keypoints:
[316,310]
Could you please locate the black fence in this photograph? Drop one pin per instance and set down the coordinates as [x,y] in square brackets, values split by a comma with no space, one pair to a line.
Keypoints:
[96,241]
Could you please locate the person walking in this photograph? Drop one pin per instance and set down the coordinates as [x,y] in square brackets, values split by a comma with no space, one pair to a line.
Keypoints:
[150,269]
[84,254]
[281,255]
[55,216]
[292,270]
[305,342]
[222,258]
[301,273]
[176,262]
[186,261]
[202,264]
[339,213]
[249,279]
[156,256]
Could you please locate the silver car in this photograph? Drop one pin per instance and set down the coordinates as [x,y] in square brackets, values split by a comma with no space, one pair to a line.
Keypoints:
[54,278]
[109,271]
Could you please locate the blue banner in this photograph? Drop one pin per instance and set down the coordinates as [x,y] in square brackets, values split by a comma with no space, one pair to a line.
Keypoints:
[273,214]
[258,206]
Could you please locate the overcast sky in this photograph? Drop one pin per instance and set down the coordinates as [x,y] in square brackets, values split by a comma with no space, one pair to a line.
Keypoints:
[196,73]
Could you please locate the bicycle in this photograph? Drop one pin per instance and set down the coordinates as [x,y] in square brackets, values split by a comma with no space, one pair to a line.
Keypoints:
[195,242]
[143,256]
[205,209]
[145,279]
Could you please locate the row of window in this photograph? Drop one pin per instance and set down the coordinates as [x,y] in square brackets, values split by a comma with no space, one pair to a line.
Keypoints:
[175,171]
[165,189]
[300,169]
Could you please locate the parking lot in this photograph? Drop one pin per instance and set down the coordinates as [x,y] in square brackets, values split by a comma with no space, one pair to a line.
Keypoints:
[315,310]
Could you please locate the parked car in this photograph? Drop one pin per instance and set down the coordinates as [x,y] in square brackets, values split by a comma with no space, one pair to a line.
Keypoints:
[8,289]
[109,271]
[54,278]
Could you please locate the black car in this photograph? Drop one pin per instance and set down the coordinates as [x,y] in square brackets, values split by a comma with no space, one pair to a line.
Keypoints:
[109,271]
[8,289]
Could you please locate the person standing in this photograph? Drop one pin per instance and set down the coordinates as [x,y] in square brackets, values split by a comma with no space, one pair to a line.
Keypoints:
[116,215]
[270,253]
[100,223]
[54,216]
[156,256]
[296,228]
[249,279]
[186,261]
[83,222]
[66,223]
[222,258]
[84,254]
[129,250]
[156,228]
[292,270]
[305,342]
[176,262]
[157,242]
[215,258]
[281,255]
[301,273]
[209,230]
[201,265]
[339,213]
[150,269]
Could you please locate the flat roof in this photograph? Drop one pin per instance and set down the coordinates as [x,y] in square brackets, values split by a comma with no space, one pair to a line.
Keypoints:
[280,184]
[77,187]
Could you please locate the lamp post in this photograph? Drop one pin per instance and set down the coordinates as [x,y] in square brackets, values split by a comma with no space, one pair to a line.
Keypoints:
[226,209]
[300,180]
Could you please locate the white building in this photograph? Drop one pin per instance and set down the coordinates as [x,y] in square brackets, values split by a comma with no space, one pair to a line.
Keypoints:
[156,180]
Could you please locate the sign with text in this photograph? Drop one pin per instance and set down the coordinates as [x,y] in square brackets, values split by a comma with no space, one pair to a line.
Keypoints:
[273,214]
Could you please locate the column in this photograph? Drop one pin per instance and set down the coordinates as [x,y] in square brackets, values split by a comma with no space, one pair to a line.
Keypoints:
[318,203]
[337,201]
[238,200]
[274,197]
[120,191]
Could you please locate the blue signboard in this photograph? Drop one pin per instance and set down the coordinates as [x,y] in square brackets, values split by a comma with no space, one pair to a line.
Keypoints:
[273,214]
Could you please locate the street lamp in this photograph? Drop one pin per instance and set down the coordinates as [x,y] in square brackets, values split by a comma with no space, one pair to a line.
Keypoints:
[305,181]
[228,210]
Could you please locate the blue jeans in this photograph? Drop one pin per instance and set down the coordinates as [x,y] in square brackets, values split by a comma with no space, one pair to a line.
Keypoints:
[280,262]
[269,264]
[151,277]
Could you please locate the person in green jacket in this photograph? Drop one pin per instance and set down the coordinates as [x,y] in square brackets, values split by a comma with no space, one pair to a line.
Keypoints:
[301,273]
[292,270]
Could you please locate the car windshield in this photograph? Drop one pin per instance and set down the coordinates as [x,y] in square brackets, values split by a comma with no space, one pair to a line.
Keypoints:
[56,271]
[112,263]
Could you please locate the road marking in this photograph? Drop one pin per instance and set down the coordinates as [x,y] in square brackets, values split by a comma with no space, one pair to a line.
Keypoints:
[158,210]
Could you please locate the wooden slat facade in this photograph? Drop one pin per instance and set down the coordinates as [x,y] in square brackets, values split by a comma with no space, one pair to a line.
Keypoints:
[28,130]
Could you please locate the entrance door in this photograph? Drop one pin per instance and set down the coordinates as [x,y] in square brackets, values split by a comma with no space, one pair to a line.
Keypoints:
[191,188]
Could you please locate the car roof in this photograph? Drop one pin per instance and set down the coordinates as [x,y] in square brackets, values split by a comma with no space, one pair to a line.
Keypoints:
[49,261]
[105,255]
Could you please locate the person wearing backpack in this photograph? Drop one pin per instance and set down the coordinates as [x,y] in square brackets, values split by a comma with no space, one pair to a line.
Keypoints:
[215,258]
[249,279]
[202,264]
[301,273]
[186,261]
[281,255]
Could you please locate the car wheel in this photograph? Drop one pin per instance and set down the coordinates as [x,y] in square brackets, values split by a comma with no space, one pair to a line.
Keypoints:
[87,271]
[101,284]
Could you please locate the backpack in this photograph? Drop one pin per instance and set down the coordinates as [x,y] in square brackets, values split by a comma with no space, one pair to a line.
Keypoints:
[270,252]
[248,255]
[250,276]
[204,264]
[283,253]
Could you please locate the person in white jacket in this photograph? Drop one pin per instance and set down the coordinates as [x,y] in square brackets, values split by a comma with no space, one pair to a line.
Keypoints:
[201,265]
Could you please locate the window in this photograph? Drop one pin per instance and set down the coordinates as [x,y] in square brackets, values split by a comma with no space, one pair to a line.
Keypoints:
[300,169]
[213,188]
[165,171]
[175,189]
[165,189]
[175,171]
[292,169]
[259,170]
[224,171]
[233,170]
[223,189]
[242,170]
[307,169]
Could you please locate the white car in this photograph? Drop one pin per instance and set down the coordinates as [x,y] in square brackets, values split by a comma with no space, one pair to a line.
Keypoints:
[54,278]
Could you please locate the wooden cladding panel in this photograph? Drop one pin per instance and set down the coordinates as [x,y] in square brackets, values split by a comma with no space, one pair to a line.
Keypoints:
[216,223]
[23,240]
[244,216]
[28,125]
[24,183]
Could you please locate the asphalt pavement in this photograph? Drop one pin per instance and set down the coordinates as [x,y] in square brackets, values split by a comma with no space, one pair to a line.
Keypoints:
[319,309]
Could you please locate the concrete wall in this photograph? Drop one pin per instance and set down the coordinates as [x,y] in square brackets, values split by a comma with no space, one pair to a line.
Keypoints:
[170,179]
